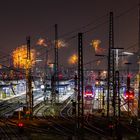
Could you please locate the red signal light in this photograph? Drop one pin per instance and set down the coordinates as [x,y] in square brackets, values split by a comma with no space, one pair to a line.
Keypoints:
[60,76]
[20,124]
[131,96]
[111,126]
[129,75]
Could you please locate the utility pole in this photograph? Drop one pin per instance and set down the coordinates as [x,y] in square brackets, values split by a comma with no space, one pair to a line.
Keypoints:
[116,96]
[46,64]
[29,92]
[54,79]
[111,88]
[80,84]
[75,107]
[75,86]
[128,87]
[139,65]
[56,61]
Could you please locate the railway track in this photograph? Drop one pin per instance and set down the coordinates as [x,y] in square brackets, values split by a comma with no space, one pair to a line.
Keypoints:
[10,132]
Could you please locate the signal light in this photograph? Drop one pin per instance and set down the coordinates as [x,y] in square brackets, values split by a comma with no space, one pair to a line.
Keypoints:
[20,127]
[130,96]
[60,76]
[20,124]
[111,126]
[97,83]
[126,95]
[129,76]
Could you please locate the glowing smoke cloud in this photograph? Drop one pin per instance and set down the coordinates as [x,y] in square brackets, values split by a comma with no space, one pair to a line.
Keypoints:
[61,44]
[20,57]
[96,45]
[73,59]
[42,42]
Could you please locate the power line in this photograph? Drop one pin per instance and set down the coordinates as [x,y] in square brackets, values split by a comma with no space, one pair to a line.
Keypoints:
[83,27]
[93,22]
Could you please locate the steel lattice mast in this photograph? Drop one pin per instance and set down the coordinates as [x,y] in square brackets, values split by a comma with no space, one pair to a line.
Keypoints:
[56,52]
[111,88]
[56,63]
[54,78]
[80,82]
[116,96]
[29,93]
[139,64]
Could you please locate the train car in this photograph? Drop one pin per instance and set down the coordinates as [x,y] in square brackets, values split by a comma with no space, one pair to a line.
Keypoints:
[89,92]
[129,94]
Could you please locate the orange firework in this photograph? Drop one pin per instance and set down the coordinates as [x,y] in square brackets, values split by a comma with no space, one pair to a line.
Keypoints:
[60,44]
[96,45]
[73,59]
[20,57]
[98,62]
[41,42]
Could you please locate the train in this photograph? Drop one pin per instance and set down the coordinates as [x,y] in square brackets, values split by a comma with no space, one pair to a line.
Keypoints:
[129,94]
[89,92]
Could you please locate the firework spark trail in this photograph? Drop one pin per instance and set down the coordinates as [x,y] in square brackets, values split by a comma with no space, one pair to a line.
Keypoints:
[96,45]
[20,57]
[73,59]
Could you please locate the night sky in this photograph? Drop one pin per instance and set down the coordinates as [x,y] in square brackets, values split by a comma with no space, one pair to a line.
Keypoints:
[21,18]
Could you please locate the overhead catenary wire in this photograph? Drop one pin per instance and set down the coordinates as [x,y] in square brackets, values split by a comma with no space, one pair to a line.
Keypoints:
[92,23]
[68,39]
[98,25]
[84,26]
